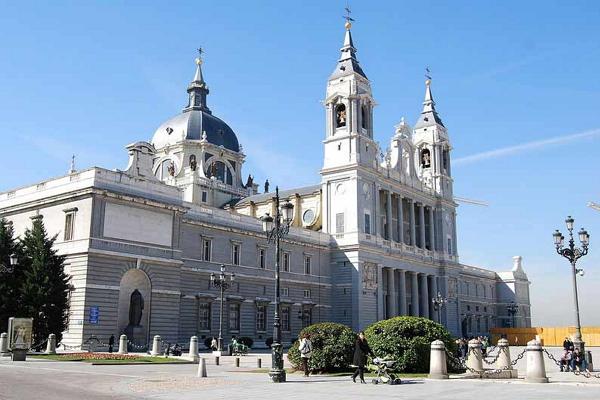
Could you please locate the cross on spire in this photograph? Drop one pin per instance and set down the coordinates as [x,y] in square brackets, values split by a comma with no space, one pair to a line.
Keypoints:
[348,12]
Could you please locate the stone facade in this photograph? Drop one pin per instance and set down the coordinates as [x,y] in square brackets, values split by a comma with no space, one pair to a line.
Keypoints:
[374,239]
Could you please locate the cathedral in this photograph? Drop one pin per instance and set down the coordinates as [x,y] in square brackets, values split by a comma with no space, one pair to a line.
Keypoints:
[374,239]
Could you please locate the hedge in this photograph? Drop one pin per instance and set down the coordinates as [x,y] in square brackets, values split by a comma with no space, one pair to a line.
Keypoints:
[407,340]
[333,347]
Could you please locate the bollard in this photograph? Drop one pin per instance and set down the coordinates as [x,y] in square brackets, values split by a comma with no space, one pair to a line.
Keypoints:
[155,346]
[123,344]
[237,362]
[4,344]
[51,346]
[216,360]
[259,363]
[474,358]
[503,355]
[193,354]
[202,368]
[536,369]
[437,361]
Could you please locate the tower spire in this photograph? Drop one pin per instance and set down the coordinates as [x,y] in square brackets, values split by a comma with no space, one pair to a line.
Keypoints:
[429,115]
[347,63]
[198,89]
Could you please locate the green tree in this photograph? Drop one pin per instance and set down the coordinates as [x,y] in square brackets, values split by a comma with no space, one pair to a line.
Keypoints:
[45,287]
[10,278]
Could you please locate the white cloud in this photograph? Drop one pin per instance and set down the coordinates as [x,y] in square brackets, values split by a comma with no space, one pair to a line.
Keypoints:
[524,147]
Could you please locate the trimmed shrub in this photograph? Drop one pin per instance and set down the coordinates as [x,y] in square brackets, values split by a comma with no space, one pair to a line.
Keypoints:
[246,341]
[333,347]
[407,340]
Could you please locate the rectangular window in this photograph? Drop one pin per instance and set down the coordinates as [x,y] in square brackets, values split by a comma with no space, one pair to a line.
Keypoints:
[234,317]
[449,245]
[204,197]
[204,316]
[69,226]
[235,254]
[286,262]
[339,223]
[307,293]
[261,314]
[306,315]
[262,257]
[206,249]
[307,265]
[367,224]
[285,319]
[285,292]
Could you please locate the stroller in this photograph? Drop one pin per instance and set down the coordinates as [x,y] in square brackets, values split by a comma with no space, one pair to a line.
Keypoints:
[383,373]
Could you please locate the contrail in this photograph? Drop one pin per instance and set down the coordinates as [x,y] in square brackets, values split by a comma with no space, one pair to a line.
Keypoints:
[508,151]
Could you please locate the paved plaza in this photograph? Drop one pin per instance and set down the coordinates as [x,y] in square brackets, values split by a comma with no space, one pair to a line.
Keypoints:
[74,380]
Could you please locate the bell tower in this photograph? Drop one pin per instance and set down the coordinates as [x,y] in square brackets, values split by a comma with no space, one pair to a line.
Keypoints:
[349,107]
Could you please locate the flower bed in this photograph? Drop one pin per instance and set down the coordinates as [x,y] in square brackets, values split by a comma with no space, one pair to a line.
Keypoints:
[108,358]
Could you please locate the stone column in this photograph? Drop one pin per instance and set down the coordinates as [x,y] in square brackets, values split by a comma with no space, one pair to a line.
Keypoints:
[424,306]
[474,358]
[413,234]
[155,346]
[380,315]
[414,301]
[388,217]
[437,361]
[400,221]
[123,344]
[431,229]
[193,353]
[376,218]
[536,369]
[392,295]
[422,223]
[4,344]
[434,292]
[51,346]
[402,291]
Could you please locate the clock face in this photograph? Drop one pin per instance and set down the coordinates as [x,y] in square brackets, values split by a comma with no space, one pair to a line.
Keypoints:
[340,189]
[308,217]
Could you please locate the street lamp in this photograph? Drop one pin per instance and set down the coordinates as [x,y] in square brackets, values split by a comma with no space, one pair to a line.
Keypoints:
[223,282]
[13,260]
[512,309]
[573,254]
[438,302]
[276,228]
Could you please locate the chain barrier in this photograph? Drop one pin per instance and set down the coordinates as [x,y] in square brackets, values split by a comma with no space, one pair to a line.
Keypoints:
[586,374]
[462,364]
[67,347]
[494,360]
[136,346]
[39,345]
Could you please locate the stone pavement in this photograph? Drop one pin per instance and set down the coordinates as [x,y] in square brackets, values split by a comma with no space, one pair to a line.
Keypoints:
[72,380]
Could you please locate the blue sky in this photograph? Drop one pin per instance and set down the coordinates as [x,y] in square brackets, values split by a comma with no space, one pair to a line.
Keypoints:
[88,78]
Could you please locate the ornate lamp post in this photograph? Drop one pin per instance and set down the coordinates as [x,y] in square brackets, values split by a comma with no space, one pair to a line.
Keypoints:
[13,260]
[512,309]
[276,228]
[438,302]
[223,282]
[573,254]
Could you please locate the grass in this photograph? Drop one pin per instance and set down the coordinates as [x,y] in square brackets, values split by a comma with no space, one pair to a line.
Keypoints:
[129,360]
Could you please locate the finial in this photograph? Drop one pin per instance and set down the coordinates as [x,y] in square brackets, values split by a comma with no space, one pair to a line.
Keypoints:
[349,20]
[402,121]
[199,59]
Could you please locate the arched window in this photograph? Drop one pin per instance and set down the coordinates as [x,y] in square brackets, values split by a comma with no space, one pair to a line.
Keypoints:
[340,116]
[364,116]
[220,172]
[425,158]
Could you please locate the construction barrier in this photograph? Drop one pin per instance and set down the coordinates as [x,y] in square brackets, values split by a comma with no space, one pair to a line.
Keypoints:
[548,336]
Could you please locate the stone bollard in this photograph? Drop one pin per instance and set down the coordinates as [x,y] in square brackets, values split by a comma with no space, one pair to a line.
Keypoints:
[503,355]
[51,346]
[259,363]
[123,344]
[155,346]
[237,362]
[202,368]
[437,361]
[193,354]
[216,360]
[536,369]
[474,358]
[4,344]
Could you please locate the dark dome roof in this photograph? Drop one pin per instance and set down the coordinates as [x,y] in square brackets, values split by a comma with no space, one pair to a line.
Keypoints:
[190,125]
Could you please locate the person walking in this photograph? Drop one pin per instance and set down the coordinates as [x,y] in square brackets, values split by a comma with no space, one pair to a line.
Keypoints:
[305,348]
[213,344]
[361,351]
[111,343]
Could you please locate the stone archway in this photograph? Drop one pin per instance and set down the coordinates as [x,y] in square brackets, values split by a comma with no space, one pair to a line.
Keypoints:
[135,293]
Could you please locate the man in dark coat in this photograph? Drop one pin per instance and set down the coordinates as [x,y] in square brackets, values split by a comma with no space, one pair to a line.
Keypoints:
[111,343]
[361,351]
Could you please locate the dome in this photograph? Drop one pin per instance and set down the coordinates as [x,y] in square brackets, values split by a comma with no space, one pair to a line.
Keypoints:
[190,125]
